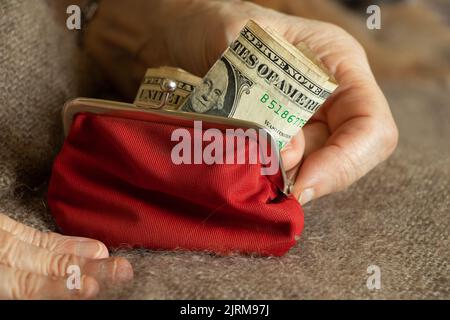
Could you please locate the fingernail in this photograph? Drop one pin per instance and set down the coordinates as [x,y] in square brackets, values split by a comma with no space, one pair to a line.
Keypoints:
[89,288]
[123,271]
[92,249]
[306,196]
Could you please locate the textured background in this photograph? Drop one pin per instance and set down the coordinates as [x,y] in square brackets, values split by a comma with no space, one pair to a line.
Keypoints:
[396,217]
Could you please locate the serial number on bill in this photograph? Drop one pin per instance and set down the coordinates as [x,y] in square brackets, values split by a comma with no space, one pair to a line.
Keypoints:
[230,310]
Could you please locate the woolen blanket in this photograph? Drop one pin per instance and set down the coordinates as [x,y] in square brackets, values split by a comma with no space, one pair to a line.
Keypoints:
[396,217]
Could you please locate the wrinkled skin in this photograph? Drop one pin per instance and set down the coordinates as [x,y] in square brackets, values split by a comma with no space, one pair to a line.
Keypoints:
[34,264]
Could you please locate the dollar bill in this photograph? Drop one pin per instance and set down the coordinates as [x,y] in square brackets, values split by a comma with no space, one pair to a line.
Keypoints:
[151,92]
[264,79]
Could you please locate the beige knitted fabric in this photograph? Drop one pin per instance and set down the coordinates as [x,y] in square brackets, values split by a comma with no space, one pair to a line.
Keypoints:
[36,76]
[396,217]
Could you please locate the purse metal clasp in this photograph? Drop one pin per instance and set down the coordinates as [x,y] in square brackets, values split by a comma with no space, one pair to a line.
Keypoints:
[168,86]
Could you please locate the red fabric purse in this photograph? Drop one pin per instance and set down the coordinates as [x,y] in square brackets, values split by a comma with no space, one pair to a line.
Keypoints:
[114,180]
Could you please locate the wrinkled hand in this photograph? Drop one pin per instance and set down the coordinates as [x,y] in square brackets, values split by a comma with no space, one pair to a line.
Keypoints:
[351,133]
[34,264]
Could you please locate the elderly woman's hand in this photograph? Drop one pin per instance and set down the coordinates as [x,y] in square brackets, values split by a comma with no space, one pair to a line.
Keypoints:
[37,265]
[348,136]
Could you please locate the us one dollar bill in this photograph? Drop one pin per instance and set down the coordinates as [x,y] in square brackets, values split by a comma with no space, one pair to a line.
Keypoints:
[151,93]
[263,78]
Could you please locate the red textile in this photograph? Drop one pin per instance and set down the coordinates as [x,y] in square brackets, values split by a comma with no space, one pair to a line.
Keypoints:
[114,181]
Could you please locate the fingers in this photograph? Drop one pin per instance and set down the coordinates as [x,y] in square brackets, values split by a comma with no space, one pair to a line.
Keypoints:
[354,130]
[316,135]
[18,284]
[358,143]
[312,137]
[350,152]
[78,246]
[37,265]
[362,132]
[21,255]
[292,152]
[109,271]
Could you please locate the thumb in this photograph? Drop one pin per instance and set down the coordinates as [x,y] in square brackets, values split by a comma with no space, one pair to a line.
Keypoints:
[292,152]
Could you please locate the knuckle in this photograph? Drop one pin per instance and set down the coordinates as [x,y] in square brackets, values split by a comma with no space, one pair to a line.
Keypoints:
[349,38]
[43,239]
[36,237]
[60,244]
[13,226]
[335,30]
[357,46]
[352,167]
[350,172]
[390,138]
[347,172]
[7,247]
[49,240]
[338,30]
[58,263]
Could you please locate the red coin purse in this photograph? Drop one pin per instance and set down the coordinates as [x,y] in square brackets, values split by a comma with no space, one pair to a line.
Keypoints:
[115,180]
